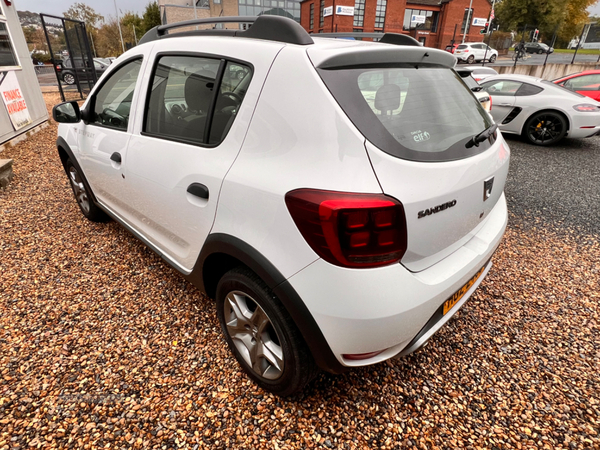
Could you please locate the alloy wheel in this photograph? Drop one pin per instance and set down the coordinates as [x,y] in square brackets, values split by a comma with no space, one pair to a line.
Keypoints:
[253,335]
[546,128]
[79,190]
[69,79]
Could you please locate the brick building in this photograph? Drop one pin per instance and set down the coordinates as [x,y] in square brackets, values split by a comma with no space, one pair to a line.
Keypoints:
[433,22]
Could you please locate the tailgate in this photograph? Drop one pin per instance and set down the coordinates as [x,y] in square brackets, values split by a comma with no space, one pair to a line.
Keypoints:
[445,202]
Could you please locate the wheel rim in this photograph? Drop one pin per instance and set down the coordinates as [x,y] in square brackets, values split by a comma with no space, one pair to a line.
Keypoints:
[493,58]
[470,59]
[253,335]
[69,79]
[79,190]
[545,128]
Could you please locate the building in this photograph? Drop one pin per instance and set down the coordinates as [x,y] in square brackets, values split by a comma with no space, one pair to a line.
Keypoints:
[435,23]
[22,107]
[180,10]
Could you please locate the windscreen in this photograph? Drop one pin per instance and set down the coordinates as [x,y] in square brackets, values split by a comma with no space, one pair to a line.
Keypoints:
[420,114]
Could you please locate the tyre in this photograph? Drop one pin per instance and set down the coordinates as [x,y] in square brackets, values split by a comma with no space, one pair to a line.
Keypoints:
[81,190]
[540,51]
[69,78]
[545,128]
[493,59]
[261,334]
[471,59]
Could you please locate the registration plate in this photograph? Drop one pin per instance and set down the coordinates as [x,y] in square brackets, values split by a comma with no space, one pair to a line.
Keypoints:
[449,304]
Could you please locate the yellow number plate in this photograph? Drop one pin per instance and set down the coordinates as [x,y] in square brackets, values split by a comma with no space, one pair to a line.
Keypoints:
[449,304]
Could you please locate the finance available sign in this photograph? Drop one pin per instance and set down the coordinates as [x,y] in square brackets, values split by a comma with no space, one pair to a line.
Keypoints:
[11,94]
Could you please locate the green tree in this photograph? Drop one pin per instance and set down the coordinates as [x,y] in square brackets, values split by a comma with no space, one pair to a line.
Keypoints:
[151,17]
[546,15]
[85,13]
[129,22]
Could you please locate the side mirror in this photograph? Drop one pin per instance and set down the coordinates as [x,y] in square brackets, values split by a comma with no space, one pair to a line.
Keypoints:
[66,113]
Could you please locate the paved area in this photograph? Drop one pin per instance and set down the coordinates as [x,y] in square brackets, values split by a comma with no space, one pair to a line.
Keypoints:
[102,344]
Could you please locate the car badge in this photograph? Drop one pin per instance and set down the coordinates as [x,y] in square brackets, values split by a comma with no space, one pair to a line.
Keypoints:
[487,188]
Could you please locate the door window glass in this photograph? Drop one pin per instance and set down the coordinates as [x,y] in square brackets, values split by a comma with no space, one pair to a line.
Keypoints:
[503,87]
[584,83]
[112,102]
[183,95]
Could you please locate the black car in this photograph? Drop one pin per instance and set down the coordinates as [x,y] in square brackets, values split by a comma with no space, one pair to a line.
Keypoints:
[538,47]
[67,72]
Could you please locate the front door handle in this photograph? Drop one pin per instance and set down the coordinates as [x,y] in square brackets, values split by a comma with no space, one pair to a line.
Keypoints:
[199,190]
[505,104]
[116,157]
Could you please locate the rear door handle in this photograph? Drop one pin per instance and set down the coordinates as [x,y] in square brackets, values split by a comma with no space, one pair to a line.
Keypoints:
[199,190]
[116,157]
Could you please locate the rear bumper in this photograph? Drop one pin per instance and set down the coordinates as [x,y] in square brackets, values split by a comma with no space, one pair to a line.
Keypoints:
[386,309]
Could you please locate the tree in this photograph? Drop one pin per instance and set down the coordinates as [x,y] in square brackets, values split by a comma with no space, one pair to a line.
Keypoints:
[108,39]
[85,13]
[129,22]
[151,17]
[567,16]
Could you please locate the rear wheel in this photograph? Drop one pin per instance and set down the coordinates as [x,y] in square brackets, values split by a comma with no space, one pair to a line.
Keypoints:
[261,334]
[69,78]
[81,190]
[545,128]
[470,59]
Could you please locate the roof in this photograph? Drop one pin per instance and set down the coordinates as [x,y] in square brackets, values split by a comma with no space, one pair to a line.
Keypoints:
[424,2]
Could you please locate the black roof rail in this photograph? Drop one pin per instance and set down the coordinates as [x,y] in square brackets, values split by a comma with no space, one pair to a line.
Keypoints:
[385,38]
[267,27]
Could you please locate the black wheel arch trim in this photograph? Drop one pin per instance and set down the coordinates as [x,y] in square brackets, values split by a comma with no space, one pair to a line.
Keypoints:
[232,247]
[61,144]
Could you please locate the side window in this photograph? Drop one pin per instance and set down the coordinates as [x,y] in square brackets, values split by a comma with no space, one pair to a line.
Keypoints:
[584,83]
[183,96]
[528,89]
[502,87]
[112,102]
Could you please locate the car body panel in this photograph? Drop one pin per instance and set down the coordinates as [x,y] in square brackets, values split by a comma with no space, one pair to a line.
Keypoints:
[585,83]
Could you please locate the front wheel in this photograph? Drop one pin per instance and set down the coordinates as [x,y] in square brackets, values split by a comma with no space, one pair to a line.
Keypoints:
[540,52]
[493,59]
[69,79]
[262,336]
[545,128]
[81,190]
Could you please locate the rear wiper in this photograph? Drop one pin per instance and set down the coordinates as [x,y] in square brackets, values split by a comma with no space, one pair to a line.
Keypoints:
[479,138]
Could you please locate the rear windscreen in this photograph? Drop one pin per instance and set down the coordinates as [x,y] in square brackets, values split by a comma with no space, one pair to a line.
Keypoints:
[420,114]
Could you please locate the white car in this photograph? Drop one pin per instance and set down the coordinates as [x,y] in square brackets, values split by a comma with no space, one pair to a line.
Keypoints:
[479,73]
[340,200]
[541,111]
[471,52]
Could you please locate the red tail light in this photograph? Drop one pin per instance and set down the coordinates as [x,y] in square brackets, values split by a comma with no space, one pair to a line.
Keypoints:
[350,230]
[490,102]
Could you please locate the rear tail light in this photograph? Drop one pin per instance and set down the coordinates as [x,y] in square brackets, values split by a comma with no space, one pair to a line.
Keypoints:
[586,107]
[490,102]
[350,230]
[361,356]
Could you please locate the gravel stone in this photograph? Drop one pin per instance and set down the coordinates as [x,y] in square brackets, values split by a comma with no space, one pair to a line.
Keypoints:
[103,345]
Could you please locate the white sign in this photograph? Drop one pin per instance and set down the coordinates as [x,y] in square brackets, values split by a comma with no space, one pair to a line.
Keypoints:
[328,11]
[13,99]
[478,22]
[417,19]
[344,10]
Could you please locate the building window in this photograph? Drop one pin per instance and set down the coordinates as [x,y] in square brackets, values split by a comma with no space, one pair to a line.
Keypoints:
[321,18]
[359,13]
[467,19]
[380,13]
[312,16]
[8,57]
[430,24]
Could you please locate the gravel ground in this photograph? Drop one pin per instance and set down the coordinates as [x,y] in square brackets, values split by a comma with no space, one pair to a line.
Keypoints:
[103,345]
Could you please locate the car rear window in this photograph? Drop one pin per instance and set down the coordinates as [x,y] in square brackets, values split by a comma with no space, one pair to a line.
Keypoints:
[462,47]
[419,114]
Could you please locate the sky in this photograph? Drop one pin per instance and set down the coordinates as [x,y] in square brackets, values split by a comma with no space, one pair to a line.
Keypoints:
[103,7]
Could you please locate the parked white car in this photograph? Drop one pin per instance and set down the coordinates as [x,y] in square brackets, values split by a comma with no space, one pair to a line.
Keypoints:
[340,200]
[543,112]
[471,52]
[479,73]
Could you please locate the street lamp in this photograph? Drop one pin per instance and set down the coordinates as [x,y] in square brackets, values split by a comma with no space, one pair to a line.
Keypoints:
[119,25]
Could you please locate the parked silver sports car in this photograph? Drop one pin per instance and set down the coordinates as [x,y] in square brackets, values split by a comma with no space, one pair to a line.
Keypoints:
[541,111]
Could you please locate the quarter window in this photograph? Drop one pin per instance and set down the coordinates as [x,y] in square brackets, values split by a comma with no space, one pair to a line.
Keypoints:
[189,103]
[112,102]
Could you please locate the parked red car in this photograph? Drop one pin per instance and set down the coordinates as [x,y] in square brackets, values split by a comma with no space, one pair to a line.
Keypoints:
[585,83]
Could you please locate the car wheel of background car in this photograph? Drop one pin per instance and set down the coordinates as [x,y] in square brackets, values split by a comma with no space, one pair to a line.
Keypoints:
[545,128]
[540,51]
[261,334]
[69,78]
[471,59]
[493,59]
[81,190]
